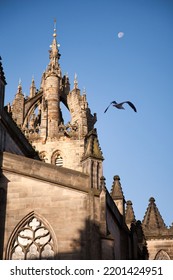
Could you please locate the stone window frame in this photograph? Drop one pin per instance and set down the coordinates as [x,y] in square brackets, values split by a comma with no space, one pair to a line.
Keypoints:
[54,157]
[162,255]
[42,247]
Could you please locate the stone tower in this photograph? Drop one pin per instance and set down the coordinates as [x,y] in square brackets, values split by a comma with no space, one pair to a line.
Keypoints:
[74,144]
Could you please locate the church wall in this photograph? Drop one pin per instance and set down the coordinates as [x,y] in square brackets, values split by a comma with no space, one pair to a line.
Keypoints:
[61,196]
[70,150]
[157,245]
[116,234]
[65,210]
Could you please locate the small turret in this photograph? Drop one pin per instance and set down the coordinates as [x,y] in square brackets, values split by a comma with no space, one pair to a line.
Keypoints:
[18,106]
[79,110]
[32,89]
[117,195]
[153,219]
[92,159]
[130,216]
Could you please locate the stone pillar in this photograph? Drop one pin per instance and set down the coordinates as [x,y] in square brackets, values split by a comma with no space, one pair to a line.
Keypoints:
[53,100]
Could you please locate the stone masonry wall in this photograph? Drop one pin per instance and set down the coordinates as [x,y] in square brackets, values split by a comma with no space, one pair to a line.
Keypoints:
[66,209]
[70,150]
[154,246]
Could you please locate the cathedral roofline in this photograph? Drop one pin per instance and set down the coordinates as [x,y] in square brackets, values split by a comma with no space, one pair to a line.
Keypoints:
[2,75]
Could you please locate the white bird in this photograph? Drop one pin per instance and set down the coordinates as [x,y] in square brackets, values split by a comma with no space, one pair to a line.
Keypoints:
[120,105]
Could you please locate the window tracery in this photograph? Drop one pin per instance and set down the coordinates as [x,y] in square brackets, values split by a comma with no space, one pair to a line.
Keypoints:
[32,241]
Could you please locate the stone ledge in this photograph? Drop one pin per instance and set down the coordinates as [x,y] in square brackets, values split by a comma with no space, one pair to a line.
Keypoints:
[44,171]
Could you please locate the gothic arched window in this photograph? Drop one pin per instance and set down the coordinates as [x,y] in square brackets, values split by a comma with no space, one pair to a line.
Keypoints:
[31,240]
[162,255]
[57,159]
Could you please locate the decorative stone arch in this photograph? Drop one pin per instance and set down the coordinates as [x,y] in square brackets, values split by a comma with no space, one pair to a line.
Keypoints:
[33,238]
[32,102]
[43,156]
[162,255]
[57,158]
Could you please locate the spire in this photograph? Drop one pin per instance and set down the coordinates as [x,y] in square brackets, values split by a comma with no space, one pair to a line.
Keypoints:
[54,34]
[153,219]
[54,53]
[75,81]
[19,88]
[130,216]
[32,88]
[117,195]
[116,191]
[92,146]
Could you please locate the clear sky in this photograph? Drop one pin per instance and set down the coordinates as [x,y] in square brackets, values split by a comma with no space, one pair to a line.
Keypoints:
[137,67]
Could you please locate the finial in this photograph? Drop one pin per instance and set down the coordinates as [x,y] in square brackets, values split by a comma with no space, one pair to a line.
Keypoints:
[54,34]
[19,91]
[151,200]
[20,84]
[75,81]
[103,183]
[116,178]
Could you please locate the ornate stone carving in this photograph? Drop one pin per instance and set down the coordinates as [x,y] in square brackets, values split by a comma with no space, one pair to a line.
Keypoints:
[32,241]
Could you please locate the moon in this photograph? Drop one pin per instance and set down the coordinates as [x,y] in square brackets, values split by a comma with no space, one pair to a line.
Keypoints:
[120,35]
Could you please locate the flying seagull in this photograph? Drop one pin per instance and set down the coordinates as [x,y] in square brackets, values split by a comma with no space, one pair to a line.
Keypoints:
[120,105]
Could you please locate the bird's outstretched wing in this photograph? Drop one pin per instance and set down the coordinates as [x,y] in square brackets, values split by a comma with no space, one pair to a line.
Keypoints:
[113,102]
[130,104]
[120,105]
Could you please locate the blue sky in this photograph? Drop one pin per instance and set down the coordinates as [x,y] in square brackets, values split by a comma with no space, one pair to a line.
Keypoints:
[137,67]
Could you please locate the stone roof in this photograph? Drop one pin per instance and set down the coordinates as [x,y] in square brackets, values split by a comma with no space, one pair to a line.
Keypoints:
[130,216]
[116,191]
[153,224]
[153,218]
